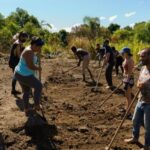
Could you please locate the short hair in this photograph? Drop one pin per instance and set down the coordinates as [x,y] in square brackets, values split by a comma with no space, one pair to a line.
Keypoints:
[37,41]
[148,51]
[145,50]
[23,34]
[113,48]
[73,48]
[106,41]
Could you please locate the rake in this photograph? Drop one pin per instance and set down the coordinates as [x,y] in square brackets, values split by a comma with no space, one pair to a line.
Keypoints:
[110,144]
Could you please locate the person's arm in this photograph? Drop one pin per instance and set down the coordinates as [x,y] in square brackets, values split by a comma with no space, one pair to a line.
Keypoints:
[17,51]
[107,56]
[28,56]
[130,70]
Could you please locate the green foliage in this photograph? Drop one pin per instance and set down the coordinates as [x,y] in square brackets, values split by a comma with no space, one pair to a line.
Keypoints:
[121,34]
[93,24]
[85,36]
[113,27]
[142,32]
[63,37]
[2,21]
[134,45]
[5,39]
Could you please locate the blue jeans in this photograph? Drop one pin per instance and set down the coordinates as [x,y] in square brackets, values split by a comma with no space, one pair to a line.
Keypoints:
[142,117]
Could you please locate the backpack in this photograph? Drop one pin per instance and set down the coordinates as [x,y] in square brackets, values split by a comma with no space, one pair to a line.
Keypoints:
[13,59]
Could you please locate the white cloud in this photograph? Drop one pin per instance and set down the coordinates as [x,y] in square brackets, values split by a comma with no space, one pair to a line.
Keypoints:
[102,18]
[54,28]
[127,15]
[132,25]
[68,29]
[112,18]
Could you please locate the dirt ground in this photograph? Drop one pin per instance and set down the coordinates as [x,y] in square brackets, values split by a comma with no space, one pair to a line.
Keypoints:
[74,117]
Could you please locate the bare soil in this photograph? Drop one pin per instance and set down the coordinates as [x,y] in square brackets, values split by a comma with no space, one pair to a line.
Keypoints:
[74,117]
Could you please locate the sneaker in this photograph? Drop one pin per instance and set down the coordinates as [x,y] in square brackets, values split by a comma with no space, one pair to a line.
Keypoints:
[131,141]
[108,87]
[14,92]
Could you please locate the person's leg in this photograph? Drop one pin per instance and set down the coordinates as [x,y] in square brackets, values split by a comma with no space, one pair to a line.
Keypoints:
[122,69]
[146,108]
[137,122]
[26,93]
[13,84]
[117,68]
[84,64]
[87,66]
[128,96]
[32,82]
[108,74]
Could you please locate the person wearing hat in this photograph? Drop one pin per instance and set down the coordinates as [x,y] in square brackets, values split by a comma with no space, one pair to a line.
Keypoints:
[141,115]
[85,57]
[15,53]
[25,73]
[108,63]
[128,80]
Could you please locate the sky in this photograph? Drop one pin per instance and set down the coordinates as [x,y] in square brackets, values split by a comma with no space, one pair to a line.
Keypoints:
[64,14]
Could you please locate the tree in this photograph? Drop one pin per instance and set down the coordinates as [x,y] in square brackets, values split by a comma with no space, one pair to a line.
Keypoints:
[142,31]
[45,24]
[20,17]
[63,37]
[2,21]
[122,34]
[113,27]
[93,24]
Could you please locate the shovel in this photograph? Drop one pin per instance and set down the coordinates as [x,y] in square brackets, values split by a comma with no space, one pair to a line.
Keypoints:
[107,98]
[111,142]
[42,111]
[69,69]
[99,75]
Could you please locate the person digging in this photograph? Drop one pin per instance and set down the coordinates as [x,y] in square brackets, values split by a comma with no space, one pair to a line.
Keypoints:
[25,73]
[141,115]
[83,56]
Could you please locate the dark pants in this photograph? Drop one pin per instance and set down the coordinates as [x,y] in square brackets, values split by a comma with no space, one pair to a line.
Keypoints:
[28,82]
[117,68]
[108,73]
[13,84]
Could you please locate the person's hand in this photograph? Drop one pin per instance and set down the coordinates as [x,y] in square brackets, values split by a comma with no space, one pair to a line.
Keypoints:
[140,85]
[145,84]
[39,68]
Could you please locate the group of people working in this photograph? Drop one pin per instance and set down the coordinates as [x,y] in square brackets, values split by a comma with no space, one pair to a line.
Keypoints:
[25,63]
[124,60]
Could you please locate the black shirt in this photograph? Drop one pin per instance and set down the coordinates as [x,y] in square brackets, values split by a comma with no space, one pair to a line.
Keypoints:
[109,50]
